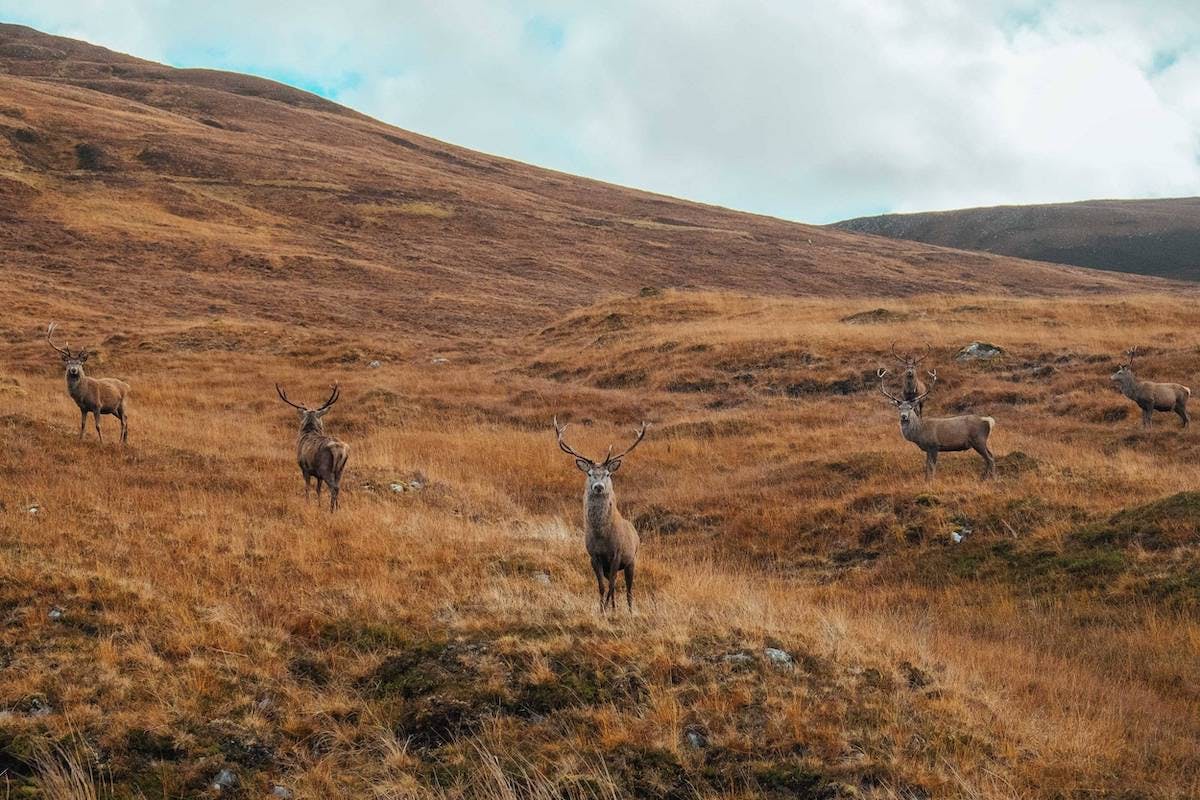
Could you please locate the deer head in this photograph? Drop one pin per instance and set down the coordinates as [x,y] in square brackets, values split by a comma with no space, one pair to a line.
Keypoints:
[1125,371]
[910,361]
[907,408]
[310,418]
[599,476]
[72,361]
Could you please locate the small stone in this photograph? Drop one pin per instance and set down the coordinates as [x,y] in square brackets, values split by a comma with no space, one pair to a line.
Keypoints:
[696,738]
[779,658]
[57,614]
[439,360]
[226,779]
[281,792]
[979,351]
[416,485]
[542,577]
[739,659]
[39,708]
[398,487]
[34,509]
[374,365]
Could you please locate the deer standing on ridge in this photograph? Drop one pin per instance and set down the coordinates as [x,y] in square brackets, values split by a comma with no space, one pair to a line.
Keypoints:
[319,456]
[1151,396]
[913,387]
[94,396]
[611,540]
[944,434]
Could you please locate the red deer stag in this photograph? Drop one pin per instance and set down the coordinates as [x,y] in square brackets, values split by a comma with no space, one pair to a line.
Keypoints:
[611,540]
[1150,396]
[913,387]
[319,456]
[94,396]
[943,435]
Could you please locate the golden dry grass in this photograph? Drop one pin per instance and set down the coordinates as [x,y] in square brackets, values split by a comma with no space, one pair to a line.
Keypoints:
[411,646]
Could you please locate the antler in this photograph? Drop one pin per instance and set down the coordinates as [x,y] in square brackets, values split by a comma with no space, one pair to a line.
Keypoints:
[333,398]
[881,373]
[641,434]
[928,350]
[932,376]
[1131,353]
[50,332]
[559,430]
[283,397]
[902,359]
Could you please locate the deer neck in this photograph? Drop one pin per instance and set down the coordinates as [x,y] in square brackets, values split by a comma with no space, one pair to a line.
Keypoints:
[913,429]
[600,512]
[1129,385]
[75,385]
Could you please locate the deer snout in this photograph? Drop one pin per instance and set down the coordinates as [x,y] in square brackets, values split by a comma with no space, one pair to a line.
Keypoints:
[598,489]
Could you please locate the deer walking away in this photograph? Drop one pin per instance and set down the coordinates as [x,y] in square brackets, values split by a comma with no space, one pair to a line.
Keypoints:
[319,455]
[611,540]
[95,396]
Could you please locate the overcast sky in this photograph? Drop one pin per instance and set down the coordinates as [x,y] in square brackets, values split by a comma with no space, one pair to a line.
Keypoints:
[813,111]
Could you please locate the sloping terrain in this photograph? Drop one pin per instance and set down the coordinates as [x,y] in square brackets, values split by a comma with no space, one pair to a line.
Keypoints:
[206,193]
[174,616]
[1145,237]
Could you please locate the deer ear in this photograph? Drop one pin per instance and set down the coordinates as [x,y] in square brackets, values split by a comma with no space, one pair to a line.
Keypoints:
[613,466]
[83,356]
[584,466]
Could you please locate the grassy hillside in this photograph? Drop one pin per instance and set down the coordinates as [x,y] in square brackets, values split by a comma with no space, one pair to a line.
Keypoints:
[199,192]
[1145,237]
[175,615]
[173,609]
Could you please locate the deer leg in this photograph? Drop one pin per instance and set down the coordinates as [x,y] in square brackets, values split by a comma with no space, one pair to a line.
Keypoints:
[82,422]
[318,490]
[96,418]
[598,569]
[334,490]
[1184,419]
[1147,413]
[930,464]
[989,461]
[610,600]
[124,424]
[307,485]
[629,586]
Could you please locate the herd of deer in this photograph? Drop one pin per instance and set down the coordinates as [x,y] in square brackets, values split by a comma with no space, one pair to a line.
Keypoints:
[611,540]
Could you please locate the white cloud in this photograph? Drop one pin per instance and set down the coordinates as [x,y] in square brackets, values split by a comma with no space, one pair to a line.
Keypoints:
[808,111]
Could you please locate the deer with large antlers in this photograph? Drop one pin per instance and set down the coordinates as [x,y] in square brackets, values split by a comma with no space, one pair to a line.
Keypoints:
[611,540]
[320,456]
[1150,396]
[911,386]
[943,435]
[94,396]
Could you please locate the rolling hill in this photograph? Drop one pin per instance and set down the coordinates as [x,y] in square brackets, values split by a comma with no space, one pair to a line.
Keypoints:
[1144,237]
[178,619]
[250,198]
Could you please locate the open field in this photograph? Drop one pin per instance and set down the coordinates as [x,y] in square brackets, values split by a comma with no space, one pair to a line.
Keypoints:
[173,612]
[424,643]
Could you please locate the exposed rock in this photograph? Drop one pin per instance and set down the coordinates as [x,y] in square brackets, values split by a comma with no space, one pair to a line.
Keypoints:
[374,364]
[542,577]
[695,737]
[779,658]
[57,614]
[977,351]
[226,780]
[738,659]
[281,792]
[439,360]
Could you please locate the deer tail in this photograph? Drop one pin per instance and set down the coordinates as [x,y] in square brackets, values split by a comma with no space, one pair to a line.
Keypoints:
[991,422]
